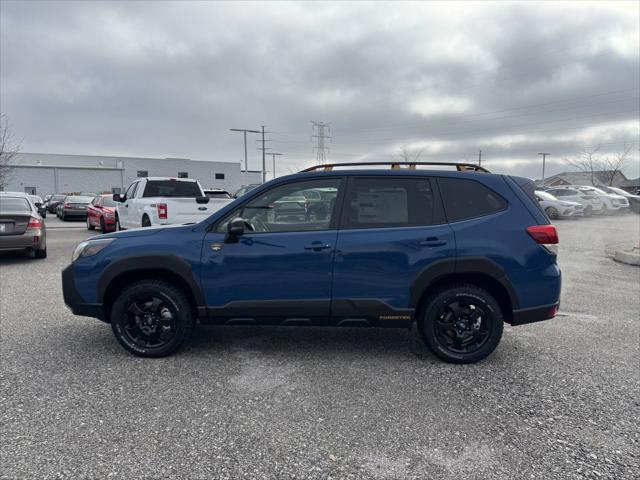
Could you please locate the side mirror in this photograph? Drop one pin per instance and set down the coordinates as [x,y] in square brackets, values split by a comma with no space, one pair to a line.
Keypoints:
[38,204]
[118,198]
[202,200]
[235,229]
[42,211]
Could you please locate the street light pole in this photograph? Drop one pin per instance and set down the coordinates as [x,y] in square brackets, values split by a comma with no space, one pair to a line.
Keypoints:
[544,158]
[273,158]
[246,166]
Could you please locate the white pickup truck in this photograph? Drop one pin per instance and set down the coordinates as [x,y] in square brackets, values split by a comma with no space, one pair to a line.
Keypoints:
[153,201]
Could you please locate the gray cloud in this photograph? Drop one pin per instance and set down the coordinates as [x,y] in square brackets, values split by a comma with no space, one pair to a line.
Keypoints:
[169,79]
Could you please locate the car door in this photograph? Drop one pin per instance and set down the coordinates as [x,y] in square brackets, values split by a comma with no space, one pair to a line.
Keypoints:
[125,209]
[279,270]
[391,229]
[93,211]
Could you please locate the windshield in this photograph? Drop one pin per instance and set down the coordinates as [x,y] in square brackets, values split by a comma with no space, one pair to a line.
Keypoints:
[108,202]
[171,188]
[545,195]
[616,190]
[211,194]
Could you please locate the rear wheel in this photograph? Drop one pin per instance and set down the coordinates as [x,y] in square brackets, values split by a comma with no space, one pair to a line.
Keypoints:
[41,253]
[152,318]
[552,213]
[461,323]
[146,222]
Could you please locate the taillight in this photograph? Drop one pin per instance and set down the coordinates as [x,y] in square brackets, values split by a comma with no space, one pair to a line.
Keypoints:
[545,235]
[162,210]
[34,223]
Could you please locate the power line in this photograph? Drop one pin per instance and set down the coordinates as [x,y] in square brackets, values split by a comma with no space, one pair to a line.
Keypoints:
[321,129]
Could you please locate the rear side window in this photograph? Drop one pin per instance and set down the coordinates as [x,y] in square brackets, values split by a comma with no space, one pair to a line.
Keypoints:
[171,188]
[390,202]
[465,198]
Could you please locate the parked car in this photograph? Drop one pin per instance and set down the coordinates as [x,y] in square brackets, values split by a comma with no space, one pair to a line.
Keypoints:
[216,193]
[555,208]
[591,203]
[101,213]
[155,201]
[73,207]
[53,202]
[39,204]
[245,189]
[610,202]
[21,225]
[634,200]
[458,253]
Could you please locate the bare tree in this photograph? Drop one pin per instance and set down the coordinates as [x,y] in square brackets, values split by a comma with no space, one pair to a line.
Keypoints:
[614,164]
[407,155]
[8,150]
[587,161]
[608,167]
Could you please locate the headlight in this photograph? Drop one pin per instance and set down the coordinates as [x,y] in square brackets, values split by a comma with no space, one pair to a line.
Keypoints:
[109,215]
[90,247]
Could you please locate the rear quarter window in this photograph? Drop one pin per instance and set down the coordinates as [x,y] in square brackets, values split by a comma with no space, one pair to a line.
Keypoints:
[465,199]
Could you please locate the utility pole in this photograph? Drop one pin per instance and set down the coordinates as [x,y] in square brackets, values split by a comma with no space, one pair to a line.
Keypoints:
[273,159]
[246,166]
[264,154]
[322,130]
[544,159]
[480,158]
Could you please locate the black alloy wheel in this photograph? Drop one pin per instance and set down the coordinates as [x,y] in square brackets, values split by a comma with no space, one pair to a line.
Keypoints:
[151,318]
[461,323]
[552,213]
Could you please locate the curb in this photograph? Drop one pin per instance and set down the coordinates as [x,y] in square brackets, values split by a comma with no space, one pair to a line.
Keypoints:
[630,257]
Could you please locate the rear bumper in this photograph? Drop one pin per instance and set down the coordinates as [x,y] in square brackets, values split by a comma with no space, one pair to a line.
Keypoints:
[74,301]
[535,314]
[29,239]
[74,213]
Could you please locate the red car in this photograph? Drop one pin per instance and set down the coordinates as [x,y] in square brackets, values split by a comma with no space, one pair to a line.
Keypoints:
[101,213]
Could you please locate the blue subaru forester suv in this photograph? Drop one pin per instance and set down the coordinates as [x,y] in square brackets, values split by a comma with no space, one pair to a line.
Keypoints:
[457,252]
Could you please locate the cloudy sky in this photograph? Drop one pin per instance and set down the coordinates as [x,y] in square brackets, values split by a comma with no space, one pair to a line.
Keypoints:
[163,79]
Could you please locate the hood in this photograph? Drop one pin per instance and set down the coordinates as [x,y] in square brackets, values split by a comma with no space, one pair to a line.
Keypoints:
[142,231]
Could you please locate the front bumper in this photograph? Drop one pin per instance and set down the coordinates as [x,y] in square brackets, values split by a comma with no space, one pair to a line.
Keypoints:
[74,301]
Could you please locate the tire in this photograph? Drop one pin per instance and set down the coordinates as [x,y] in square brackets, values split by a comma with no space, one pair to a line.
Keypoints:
[145,221]
[142,339]
[448,335]
[588,211]
[41,253]
[552,213]
[63,218]
[89,226]
[118,227]
[102,224]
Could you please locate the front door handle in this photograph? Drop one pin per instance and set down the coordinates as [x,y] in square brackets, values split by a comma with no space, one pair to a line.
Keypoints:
[433,242]
[317,246]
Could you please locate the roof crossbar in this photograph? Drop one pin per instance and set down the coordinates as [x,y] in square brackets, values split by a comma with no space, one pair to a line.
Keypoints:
[460,167]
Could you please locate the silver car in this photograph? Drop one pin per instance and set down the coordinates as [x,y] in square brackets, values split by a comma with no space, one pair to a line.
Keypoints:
[21,226]
[556,208]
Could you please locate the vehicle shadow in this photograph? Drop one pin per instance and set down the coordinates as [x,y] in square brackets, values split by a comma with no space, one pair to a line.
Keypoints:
[13,257]
[308,341]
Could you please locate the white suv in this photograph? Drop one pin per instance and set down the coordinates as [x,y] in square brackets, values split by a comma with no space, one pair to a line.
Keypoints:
[592,203]
[610,202]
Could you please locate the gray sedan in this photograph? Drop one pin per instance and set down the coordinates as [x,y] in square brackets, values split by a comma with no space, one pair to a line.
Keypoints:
[21,226]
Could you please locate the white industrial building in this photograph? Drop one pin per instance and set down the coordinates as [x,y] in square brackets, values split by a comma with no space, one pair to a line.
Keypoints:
[43,173]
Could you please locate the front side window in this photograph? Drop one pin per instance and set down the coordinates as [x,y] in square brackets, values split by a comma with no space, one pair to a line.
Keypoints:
[143,173]
[465,199]
[285,208]
[183,174]
[390,202]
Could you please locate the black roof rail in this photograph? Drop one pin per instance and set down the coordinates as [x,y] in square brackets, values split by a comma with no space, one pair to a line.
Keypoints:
[460,167]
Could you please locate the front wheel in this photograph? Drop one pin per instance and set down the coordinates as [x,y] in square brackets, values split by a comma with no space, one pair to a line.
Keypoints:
[461,323]
[552,213]
[152,318]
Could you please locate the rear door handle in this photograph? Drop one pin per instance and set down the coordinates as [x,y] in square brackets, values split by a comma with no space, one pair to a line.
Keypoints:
[433,242]
[317,246]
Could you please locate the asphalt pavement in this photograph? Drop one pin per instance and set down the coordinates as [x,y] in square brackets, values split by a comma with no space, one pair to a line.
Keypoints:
[558,399]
